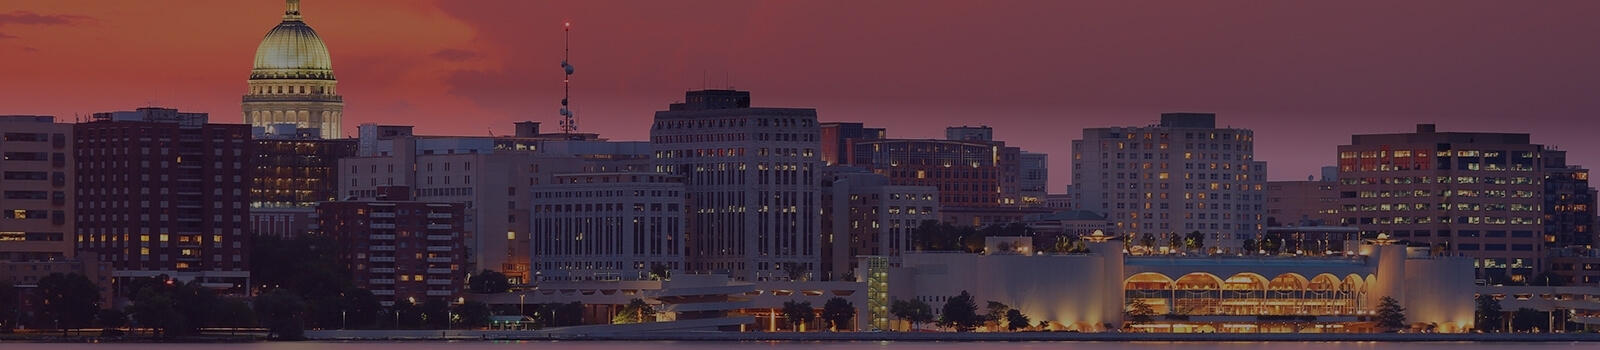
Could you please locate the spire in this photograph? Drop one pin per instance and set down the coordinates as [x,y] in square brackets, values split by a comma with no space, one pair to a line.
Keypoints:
[292,13]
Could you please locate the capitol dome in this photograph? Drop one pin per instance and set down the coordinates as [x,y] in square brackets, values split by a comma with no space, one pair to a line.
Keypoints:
[292,50]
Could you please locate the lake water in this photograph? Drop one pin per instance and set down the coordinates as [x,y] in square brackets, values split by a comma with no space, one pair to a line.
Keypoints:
[681,345]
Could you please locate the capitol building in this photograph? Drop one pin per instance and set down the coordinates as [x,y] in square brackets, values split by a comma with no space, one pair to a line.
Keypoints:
[292,88]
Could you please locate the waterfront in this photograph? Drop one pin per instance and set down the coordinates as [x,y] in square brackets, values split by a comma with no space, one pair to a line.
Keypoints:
[809,345]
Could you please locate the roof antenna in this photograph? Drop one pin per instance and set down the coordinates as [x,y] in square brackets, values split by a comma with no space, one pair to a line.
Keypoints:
[568,125]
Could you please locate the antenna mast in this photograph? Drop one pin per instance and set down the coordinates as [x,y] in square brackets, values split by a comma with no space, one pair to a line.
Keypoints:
[568,125]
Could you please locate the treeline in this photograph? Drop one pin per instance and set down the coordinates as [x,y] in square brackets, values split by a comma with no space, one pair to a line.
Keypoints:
[933,235]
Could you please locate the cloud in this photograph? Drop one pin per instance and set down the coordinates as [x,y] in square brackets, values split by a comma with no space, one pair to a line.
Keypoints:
[7,36]
[455,55]
[30,18]
[29,49]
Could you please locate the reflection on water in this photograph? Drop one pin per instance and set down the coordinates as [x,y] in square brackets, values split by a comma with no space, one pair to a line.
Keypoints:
[669,345]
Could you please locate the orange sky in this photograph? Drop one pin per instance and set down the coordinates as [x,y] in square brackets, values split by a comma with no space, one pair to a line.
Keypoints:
[1303,75]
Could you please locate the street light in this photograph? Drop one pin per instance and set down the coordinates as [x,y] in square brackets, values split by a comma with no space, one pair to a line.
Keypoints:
[344,322]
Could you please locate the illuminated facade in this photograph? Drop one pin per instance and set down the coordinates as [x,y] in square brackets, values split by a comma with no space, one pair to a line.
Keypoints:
[399,249]
[36,159]
[1180,176]
[608,226]
[752,174]
[292,82]
[1216,293]
[1473,194]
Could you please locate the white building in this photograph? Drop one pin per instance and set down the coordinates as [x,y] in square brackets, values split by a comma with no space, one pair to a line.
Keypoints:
[752,174]
[607,226]
[1176,177]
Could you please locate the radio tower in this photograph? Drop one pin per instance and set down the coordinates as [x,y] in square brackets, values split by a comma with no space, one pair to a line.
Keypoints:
[568,125]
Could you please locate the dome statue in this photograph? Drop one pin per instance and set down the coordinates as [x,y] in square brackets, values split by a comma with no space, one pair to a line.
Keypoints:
[292,82]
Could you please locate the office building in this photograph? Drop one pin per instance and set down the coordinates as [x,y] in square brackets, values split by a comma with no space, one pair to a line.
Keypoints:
[1177,177]
[608,226]
[292,174]
[837,136]
[1569,203]
[1473,194]
[165,192]
[979,179]
[752,174]
[1296,203]
[36,162]
[292,81]
[1033,179]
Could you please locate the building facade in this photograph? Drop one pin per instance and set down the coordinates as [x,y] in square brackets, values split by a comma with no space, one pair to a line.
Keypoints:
[753,176]
[1569,203]
[837,136]
[1475,194]
[608,226]
[165,192]
[1302,202]
[292,174]
[866,216]
[1033,181]
[292,82]
[400,249]
[1180,176]
[36,211]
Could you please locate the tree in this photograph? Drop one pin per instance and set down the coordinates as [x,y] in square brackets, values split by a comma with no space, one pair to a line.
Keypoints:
[111,321]
[436,313]
[1003,247]
[1149,240]
[997,312]
[1250,246]
[1527,320]
[838,312]
[489,282]
[10,306]
[1138,311]
[635,311]
[914,311]
[961,313]
[1194,241]
[659,272]
[281,313]
[796,271]
[798,313]
[1489,316]
[848,276]
[66,300]
[1390,315]
[1016,320]
[473,314]
[234,314]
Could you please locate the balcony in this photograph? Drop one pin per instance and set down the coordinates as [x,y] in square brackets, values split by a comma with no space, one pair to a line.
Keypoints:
[382,292]
[381,226]
[439,237]
[439,226]
[381,259]
[381,281]
[381,237]
[438,282]
[438,293]
[382,270]
[382,248]
[441,260]
[438,248]
[445,271]
[439,215]
[377,214]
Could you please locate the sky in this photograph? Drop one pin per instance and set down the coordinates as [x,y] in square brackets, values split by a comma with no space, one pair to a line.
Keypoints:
[1303,75]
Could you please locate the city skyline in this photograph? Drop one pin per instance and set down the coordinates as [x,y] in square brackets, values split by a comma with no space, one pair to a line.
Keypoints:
[474,68]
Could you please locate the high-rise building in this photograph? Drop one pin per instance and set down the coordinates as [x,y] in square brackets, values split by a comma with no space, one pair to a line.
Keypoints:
[837,136]
[864,215]
[1477,194]
[752,174]
[165,192]
[291,174]
[1034,178]
[398,248]
[608,226]
[979,179]
[36,159]
[292,82]
[1177,177]
[492,176]
[1569,203]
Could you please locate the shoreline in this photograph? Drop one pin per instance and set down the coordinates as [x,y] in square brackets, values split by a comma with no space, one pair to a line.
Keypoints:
[943,337]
